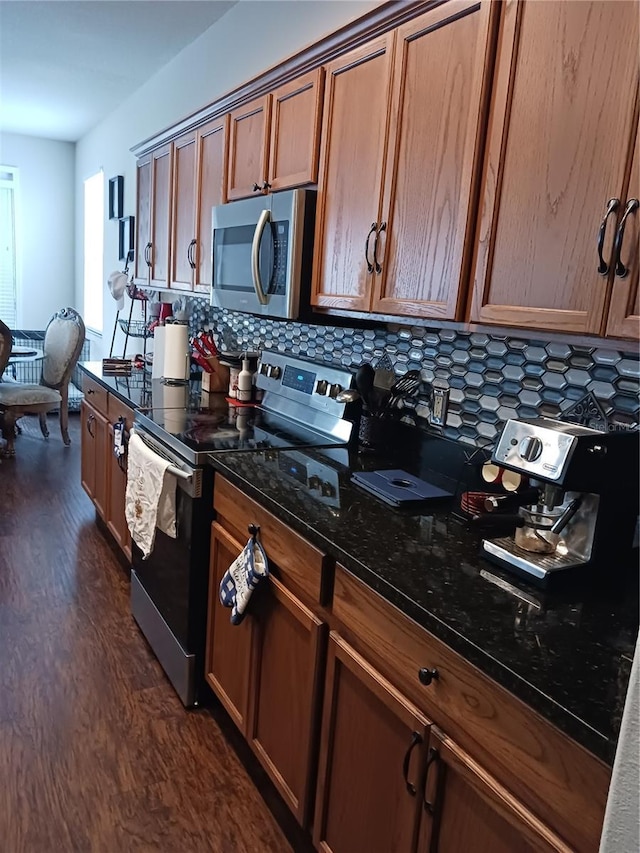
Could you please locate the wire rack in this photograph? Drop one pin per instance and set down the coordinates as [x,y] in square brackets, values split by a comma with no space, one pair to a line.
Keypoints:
[135,328]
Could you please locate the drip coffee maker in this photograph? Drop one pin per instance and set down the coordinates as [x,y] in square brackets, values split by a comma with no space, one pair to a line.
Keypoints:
[584,498]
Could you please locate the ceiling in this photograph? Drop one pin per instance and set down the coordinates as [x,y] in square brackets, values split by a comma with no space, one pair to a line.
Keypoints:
[66,64]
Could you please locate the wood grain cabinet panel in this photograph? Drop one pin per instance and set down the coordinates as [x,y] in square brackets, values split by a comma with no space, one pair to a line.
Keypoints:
[354,136]
[285,685]
[115,496]
[295,131]
[142,268]
[199,174]
[372,760]
[466,809]
[94,456]
[249,148]
[228,649]
[560,128]
[440,70]
[161,184]
[624,311]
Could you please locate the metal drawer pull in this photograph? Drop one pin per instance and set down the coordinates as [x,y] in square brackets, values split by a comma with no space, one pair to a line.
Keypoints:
[416,739]
[612,204]
[426,676]
[621,270]
[434,756]
[383,227]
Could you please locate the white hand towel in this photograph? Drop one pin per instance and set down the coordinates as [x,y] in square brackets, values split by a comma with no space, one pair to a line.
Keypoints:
[150,499]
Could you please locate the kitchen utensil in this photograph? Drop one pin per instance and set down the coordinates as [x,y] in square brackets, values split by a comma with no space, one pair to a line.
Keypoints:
[365,376]
[404,386]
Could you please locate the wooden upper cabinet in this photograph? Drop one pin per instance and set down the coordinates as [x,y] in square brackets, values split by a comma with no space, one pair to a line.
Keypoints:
[624,311]
[441,63]
[295,131]
[350,182]
[142,268]
[211,191]
[560,128]
[249,148]
[465,808]
[372,760]
[183,211]
[161,186]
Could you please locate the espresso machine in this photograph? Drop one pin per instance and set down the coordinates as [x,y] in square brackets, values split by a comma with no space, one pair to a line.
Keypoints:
[582,498]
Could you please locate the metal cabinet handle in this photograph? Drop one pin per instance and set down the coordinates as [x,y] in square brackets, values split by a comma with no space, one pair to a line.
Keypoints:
[190,253]
[90,420]
[383,227]
[612,205]
[426,676]
[266,186]
[433,757]
[147,254]
[621,270]
[416,739]
[374,225]
[256,188]
[90,391]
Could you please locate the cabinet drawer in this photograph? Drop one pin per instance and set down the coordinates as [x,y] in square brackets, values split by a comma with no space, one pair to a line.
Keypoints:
[561,782]
[296,560]
[118,409]
[95,394]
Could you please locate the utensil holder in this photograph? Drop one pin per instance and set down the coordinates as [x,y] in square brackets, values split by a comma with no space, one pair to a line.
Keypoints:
[375,434]
[218,380]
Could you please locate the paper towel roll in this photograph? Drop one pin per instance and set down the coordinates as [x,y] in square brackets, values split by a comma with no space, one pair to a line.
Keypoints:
[176,351]
[157,368]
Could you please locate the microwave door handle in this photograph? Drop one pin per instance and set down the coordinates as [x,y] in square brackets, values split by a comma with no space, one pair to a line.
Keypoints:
[264,217]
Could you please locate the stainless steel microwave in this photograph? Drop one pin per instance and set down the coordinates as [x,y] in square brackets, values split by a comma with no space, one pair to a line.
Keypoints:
[262,253]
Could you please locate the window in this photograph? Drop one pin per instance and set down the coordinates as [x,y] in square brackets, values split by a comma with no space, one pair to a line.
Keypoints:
[8,246]
[93,250]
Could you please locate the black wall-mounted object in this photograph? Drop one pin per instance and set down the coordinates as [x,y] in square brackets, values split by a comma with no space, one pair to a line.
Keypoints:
[116,197]
[127,227]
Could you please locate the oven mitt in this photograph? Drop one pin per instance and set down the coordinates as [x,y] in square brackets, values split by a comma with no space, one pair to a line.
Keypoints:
[243,576]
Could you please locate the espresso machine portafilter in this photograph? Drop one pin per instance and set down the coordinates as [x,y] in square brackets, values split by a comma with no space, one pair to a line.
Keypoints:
[585,484]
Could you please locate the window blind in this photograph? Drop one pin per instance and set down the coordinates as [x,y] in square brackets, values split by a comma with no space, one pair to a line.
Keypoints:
[8,248]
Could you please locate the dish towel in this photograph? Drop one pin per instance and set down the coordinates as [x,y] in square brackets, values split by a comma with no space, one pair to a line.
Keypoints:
[243,576]
[150,497]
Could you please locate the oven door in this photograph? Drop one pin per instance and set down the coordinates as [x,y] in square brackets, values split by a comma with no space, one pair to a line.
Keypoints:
[169,588]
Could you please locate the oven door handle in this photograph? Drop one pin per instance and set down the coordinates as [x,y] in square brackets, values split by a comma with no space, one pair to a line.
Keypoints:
[264,217]
[191,477]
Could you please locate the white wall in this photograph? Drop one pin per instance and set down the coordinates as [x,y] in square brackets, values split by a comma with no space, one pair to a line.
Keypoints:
[250,38]
[46,223]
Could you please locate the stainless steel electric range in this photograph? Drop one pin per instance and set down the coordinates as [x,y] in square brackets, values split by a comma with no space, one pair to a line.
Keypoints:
[299,410]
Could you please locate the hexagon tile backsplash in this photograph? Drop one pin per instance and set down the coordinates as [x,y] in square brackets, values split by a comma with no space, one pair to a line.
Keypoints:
[491,377]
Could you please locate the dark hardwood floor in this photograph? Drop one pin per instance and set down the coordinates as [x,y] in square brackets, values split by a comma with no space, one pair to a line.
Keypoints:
[96,751]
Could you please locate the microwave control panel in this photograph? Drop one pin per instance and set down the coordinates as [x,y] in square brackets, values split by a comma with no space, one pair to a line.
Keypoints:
[280,236]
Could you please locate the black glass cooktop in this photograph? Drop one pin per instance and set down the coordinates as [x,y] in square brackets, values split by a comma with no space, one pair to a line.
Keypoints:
[196,432]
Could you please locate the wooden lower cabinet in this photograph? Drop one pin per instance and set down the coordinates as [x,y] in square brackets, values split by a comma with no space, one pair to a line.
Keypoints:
[267,674]
[465,808]
[372,760]
[93,456]
[116,490]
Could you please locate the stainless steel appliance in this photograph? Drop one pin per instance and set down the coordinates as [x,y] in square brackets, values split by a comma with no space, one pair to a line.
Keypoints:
[262,253]
[585,508]
[169,589]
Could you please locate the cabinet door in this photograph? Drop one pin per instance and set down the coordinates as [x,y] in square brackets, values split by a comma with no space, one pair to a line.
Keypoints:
[183,225]
[372,756]
[295,131]
[285,694]
[161,180]
[560,125]
[354,137]
[464,808]
[440,67]
[143,220]
[228,653]
[624,311]
[249,148]
[115,496]
[211,183]
[93,456]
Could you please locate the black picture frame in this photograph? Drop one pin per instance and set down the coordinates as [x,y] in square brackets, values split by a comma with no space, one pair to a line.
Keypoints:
[126,238]
[116,197]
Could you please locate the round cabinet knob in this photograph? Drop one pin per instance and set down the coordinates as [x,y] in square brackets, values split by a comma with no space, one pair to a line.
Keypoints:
[530,448]
[426,676]
[335,390]
[321,386]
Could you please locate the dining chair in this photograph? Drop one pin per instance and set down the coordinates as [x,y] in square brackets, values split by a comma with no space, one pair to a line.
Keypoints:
[63,342]
[6,343]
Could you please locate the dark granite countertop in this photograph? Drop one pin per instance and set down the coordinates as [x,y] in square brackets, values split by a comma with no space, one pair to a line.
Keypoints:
[567,655]
[137,390]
